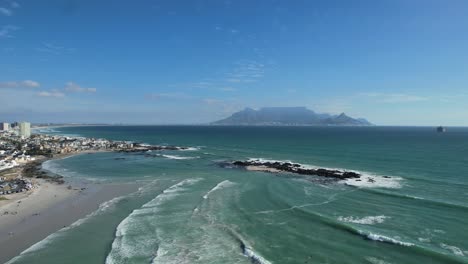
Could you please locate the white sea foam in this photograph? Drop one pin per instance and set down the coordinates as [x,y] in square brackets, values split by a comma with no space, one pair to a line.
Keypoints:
[374,181]
[124,246]
[368,220]
[191,149]
[424,239]
[255,257]
[219,186]
[386,239]
[178,157]
[367,180]
[374,260]
[455,250]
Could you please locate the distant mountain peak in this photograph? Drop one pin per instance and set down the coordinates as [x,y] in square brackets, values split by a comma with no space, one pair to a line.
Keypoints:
[291,116]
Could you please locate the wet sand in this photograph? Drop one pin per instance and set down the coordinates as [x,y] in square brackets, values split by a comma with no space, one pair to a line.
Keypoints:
[28,218]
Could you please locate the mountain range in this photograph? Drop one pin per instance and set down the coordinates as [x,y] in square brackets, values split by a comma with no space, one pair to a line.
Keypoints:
[290,116]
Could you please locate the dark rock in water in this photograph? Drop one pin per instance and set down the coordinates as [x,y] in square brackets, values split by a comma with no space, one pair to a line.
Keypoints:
[349,174]
[145,148]
[119,158]
[297,169]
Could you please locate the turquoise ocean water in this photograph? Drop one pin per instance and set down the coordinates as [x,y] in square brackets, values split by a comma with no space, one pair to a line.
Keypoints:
[191,210]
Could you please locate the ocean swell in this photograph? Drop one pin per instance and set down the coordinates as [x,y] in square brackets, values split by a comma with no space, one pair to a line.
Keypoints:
[385,239]
[134,237]
[175,157]
[219,186]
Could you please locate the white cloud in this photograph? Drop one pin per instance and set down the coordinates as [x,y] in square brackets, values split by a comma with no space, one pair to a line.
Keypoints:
[54,49]
[56,94]
[246,71]
[14,4]
[395,97]
[73,87]
[5,31]
[20,84]
[29,83]
[5,11]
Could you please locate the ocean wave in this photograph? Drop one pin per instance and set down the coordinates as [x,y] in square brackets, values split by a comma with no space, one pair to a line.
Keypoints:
[191,149]
[368,220]
[219,186]
[254,257]
[178,157]
[374,260]
[367,179]
[246,249]
[455,250]
[134,237]
[424,239]
[385,239]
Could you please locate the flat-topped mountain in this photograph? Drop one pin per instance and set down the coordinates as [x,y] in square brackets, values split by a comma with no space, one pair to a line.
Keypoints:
[291,116]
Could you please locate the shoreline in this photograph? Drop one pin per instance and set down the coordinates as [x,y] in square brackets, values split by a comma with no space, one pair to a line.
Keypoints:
[50,208]
[29,217]
[55,202]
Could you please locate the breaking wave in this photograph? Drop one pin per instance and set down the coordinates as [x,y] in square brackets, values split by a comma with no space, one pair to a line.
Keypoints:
[368,220]
[134,237]
[455,250]
[191,149]
[219,186]
[385,239]
[246,249]
[175,157]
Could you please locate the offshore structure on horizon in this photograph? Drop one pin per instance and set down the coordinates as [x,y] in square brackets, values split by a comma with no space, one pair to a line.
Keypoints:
[441,129]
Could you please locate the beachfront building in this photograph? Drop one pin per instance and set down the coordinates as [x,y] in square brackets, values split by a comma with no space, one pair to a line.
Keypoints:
[4,126]
[25,129]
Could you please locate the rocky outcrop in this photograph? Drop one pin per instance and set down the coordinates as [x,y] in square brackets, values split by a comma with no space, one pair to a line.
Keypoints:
[144,148]
[295,168]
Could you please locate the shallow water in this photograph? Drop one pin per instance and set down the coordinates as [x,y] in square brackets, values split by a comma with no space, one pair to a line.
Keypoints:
[191,210]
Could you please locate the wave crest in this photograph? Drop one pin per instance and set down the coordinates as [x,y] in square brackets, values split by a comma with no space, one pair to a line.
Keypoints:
[219,186]
[368,220]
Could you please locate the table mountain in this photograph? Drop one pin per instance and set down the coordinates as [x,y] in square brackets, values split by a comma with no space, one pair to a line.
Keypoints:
[299,116]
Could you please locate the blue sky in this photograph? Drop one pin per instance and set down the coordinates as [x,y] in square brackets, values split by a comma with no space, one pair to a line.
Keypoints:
[394,62]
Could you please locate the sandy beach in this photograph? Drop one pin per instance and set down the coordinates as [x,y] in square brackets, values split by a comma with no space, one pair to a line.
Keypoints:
[27,218]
